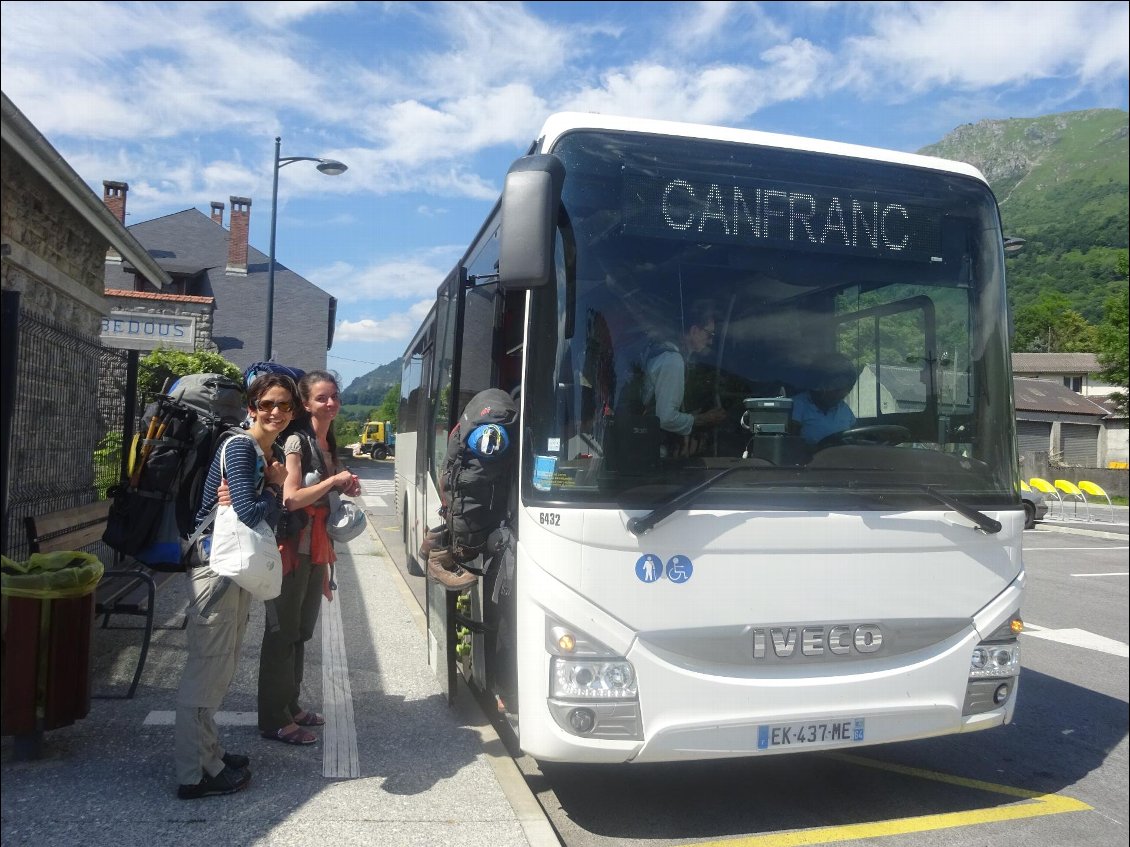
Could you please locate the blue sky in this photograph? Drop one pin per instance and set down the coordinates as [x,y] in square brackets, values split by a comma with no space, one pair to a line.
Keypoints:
[428,103]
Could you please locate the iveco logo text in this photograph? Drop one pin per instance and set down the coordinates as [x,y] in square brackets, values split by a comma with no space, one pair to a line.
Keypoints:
[839,640]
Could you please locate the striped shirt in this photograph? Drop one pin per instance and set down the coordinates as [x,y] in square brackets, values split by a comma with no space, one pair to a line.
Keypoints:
[244,470]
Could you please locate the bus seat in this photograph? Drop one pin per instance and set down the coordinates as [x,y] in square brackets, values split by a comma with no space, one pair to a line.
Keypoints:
[1070,491]
[1049,491]
[1094,490]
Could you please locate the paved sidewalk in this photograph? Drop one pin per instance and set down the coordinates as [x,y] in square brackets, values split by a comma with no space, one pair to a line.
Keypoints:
[1102,521]
[395,766]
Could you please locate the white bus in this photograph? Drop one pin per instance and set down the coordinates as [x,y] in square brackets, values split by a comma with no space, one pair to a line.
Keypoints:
[740,589]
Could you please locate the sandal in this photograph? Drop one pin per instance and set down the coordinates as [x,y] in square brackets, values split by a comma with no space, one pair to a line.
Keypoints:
[296,736]
[310,719]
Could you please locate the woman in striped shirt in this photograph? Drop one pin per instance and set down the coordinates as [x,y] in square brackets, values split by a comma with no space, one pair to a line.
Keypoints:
[218,608]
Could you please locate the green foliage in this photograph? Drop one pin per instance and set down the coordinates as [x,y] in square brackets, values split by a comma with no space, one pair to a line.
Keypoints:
[390,405]
[1113,346]
[370,389]
[1050,325]
[346,431]
[163,365]
[1062,183]
[107,462]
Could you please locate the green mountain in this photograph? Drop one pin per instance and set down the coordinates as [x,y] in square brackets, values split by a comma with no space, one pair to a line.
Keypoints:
[1062,184]
[370,389]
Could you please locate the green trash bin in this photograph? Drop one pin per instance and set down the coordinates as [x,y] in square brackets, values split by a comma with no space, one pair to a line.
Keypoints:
[46,617]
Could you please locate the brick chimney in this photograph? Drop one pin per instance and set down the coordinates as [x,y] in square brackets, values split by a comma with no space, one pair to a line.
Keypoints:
[217,212]
[237,238]
[114,196]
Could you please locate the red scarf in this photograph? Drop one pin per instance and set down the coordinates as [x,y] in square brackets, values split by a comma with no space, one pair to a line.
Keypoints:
[321,546]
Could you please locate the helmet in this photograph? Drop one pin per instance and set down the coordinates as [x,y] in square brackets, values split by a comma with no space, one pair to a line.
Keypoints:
[346,520]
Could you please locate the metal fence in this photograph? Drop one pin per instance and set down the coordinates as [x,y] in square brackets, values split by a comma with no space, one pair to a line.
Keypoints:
[67,422]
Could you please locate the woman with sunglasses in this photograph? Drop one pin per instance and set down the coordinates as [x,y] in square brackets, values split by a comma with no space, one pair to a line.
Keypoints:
[218,608]
[313,471]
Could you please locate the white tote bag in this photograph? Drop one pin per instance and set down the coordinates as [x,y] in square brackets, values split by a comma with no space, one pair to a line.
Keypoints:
[249,556]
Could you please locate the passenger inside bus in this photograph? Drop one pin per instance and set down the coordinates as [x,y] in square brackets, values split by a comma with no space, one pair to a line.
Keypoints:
[666,376]
[820,411]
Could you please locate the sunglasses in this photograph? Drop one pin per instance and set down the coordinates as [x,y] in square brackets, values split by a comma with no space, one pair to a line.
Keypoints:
[284,406]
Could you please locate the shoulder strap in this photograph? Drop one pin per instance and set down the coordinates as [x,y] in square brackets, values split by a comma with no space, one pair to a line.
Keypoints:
[210,518]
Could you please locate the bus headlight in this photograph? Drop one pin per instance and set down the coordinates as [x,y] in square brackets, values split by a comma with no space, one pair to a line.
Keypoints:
[593,690]
[593,679]
[994,660]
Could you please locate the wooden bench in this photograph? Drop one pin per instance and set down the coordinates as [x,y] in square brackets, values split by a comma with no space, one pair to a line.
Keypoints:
[127,588]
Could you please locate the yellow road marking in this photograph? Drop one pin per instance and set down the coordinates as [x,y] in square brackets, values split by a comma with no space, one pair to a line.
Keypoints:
[1042,804]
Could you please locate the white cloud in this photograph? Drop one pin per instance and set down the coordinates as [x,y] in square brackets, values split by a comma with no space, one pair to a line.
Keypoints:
[277,15]
[711,24]
[718,94]
[491,44]
[397,326]
[919,46]
[414,275]
[412,131]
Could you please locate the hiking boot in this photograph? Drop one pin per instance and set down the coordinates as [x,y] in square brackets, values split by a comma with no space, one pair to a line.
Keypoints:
[235,761]
[227,781]
[443,568]
[430,542]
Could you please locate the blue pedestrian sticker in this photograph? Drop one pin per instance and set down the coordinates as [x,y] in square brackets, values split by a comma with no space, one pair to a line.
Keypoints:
[679,569]
[649,567]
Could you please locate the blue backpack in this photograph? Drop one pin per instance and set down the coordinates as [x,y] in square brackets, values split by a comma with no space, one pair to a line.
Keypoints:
[260,368]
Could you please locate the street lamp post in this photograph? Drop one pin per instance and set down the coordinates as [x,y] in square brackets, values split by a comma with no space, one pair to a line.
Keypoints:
[330,167]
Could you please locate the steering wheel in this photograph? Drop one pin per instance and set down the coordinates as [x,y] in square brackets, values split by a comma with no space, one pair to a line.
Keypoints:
[867,435]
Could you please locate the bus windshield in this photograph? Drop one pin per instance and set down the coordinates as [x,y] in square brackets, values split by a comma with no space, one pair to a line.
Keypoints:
[836,324]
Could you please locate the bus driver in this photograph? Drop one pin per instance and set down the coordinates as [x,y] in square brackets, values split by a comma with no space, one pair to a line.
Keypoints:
[821,410]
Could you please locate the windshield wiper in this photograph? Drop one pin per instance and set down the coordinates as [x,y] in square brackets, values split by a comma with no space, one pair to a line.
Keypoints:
[983,521]
[642,524]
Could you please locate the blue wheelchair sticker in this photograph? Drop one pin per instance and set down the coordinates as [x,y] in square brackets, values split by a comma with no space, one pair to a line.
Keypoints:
[679,569]
[649,567]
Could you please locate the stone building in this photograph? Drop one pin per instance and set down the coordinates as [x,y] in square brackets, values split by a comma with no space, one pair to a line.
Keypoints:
[55,234]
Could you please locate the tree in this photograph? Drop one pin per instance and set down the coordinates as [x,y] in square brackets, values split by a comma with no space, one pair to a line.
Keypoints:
[1113,342]
[390,406]
[1050,325]
[163,364]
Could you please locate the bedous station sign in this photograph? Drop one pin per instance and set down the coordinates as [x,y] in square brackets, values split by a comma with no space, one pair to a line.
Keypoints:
[133,331]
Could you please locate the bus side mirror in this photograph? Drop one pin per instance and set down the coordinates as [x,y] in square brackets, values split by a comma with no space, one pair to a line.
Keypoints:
[528,229]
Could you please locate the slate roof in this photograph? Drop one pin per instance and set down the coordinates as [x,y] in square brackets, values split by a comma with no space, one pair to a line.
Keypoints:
[1055,363]
[190,243]
[1042,395]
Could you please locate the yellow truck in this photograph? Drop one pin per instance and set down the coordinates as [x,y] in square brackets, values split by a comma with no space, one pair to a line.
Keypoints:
[378,440]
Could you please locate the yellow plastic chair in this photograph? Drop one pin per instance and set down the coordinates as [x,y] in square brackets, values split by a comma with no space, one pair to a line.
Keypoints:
[1096,491]
[1070,490]
[1051,493]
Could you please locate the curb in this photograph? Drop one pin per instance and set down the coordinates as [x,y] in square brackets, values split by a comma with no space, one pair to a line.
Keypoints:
[531,817]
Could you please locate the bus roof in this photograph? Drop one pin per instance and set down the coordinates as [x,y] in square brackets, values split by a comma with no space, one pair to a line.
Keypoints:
[560,123]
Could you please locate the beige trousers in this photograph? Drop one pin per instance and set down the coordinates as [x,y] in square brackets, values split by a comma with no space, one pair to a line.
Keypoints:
[217,620]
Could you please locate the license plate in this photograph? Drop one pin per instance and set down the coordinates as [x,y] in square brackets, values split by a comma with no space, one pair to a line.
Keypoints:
[809,733]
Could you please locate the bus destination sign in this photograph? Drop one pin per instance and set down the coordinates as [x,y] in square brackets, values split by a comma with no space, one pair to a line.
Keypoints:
[779,214]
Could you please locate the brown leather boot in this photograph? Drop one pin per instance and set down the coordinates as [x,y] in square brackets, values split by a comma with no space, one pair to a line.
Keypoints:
[443,568]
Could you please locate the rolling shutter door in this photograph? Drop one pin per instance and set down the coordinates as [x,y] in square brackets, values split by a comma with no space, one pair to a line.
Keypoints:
[1033,436]
[1079,444]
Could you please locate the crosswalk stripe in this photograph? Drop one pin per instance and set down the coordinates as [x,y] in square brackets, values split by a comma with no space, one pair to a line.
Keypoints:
[1078,638]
